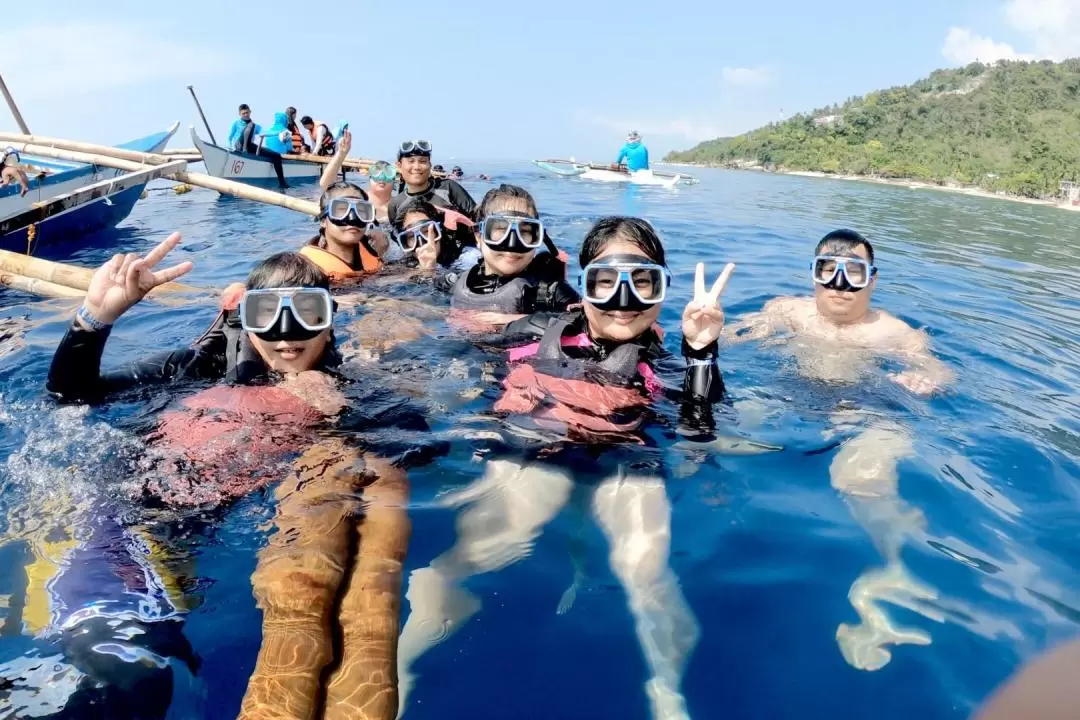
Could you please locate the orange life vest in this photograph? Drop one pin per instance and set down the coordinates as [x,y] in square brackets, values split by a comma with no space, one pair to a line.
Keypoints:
[297,142]
[337,268]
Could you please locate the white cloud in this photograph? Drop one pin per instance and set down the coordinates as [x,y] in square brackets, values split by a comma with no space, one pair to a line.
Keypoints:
[1052,25]
[1051,28]
[963,46]
[746,77]
[91,57]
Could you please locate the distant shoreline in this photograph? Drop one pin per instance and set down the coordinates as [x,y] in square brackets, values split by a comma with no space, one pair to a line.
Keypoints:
[897,182]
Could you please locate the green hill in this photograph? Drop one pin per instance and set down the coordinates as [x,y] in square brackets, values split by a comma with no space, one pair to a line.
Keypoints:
[1013,127]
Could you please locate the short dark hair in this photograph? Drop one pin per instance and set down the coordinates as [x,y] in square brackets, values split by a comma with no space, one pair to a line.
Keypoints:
[633,230]
[290,110]
[416,205]
[287,269]
[306,120]
[844,241]
[243,107]
[501,193]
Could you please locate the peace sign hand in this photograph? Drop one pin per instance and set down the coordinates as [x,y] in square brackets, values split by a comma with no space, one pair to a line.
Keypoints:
[126,279]
[703,319]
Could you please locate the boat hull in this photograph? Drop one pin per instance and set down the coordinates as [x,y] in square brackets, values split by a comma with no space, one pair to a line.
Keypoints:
[108,211]
[252,169]
[599,173]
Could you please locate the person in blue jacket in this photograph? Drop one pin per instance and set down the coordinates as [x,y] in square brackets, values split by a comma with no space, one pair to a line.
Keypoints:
[634,153]
[244,135]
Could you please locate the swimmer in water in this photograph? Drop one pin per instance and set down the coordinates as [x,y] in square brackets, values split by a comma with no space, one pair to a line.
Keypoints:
[350,244]
[837,337]
[522,272]
[275,340]
[587,378]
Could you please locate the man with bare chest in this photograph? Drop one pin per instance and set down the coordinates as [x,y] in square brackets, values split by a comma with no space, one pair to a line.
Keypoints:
[836,337]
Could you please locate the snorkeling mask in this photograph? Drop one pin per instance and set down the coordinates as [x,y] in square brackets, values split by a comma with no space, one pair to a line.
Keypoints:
[511,232]
[353,212]
[846,274]
[297,314]
[414,147]
[418,234]
[624,282]
[382,171]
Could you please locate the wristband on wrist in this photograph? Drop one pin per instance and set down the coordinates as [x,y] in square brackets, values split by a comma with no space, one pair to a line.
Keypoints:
[89,320]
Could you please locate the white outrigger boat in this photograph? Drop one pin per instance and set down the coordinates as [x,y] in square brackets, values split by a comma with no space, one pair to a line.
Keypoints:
[604,173]
[252,169]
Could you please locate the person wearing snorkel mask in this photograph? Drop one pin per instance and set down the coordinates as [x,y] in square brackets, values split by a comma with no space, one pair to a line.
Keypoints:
[514,277]
[414,164]
[274,347]
[11,173]
[838,340]
[586,380]
[350,244]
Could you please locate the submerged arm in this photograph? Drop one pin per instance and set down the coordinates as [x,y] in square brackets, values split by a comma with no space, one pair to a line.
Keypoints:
[925,374]
[759,325]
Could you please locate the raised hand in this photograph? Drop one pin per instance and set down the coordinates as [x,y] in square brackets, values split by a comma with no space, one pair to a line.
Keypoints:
[345,143]
[703,319]
[428,255]
[126,279]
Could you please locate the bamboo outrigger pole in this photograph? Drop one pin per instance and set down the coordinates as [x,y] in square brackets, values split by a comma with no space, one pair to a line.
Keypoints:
[132,161]
[13,107]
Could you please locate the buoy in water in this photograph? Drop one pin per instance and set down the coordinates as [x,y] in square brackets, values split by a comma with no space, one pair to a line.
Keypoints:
[182,188]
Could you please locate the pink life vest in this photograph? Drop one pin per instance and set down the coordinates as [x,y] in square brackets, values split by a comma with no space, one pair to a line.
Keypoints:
[592,399]
[228,441]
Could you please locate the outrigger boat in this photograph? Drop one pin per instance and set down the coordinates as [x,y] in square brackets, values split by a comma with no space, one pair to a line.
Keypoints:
[85,198]
[257,170]
[605,173]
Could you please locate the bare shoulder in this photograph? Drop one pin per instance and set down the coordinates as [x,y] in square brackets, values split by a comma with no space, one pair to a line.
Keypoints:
[897,332]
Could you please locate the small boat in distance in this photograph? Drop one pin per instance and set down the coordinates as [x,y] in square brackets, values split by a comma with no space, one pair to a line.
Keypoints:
[252,169]
[605,173]
[102,208]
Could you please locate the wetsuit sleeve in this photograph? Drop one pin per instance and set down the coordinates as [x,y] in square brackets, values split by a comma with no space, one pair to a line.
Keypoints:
[75,374]
[461,199]
[702,384]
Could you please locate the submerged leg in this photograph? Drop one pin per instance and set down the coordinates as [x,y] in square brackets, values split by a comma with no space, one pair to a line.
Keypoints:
[505,512]
[297,581]
[635,515]
[364,686]
[865,471]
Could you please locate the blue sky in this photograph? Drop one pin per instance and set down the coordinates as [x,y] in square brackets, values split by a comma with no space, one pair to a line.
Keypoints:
[484,79]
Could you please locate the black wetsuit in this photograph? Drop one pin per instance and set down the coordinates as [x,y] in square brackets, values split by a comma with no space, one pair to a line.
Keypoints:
[247,144]
[545,289]
[445,194]
[223,352]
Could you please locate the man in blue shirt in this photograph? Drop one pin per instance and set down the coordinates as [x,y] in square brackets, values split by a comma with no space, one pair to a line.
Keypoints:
[634,153]
[242,136]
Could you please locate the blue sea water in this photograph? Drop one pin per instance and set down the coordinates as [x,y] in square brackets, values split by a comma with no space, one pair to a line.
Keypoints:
[766,550]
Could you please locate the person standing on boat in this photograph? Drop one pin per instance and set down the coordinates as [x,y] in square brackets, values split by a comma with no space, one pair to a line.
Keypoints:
[414,164]
[633,153]
[298,144]
[242,139]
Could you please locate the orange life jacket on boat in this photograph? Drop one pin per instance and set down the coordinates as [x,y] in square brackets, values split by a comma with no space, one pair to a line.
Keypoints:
[328,145]
[297,142]
[337,268]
